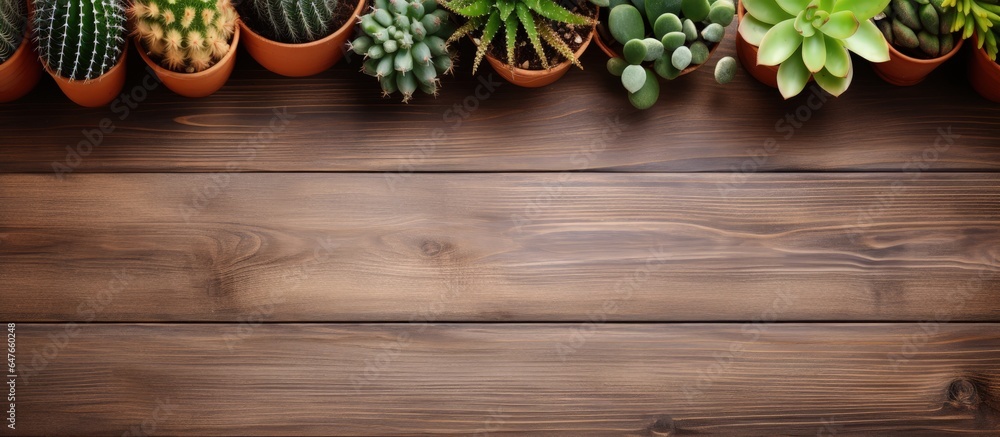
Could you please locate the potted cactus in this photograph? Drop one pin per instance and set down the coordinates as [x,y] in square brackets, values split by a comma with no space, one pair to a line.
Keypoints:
[669,37]
[19,70]
[404,44]
[981,19]
[189,44]
[557,36]
[297,38]
[82,46]
[920,39]
[808,39]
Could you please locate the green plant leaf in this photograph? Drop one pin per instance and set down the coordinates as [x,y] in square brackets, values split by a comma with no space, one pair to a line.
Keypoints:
[864,10]
[841,25]
[779,43]
[528,22]
[868,43]
[793,7]
[553,11]
[838,60]
[490,31]
[753,30]
[833,84]
[506,7]
[766,11]
[477,8]
[814,52]
[792,76]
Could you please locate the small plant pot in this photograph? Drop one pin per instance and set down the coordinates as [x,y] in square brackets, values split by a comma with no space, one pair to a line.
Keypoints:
[200,84]
[20,73]
[765,74]
[903,70]
[98,92]
[537,78]
[613,49]
[984,74]
[300,60]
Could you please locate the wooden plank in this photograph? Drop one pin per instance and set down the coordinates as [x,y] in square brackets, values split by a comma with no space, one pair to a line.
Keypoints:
[342,124]
[621,379]
[499,247]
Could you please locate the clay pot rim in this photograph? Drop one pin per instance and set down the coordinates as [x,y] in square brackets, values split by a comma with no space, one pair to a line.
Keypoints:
[606,48]
[939,59]
[59,78]
[552,68]
[207,72]
[19,52]
[349,25]
[981,53]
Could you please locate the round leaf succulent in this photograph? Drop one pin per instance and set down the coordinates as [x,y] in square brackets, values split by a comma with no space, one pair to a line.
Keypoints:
[811,38]
[290,21]
[13,21]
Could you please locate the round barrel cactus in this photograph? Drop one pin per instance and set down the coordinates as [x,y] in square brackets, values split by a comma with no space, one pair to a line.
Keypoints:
[404,45]
[186,36]
[80,40]
[290,21]
[13,20]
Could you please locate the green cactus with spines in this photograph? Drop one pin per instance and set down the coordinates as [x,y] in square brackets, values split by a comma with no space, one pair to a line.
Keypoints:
[919,27]
[682,33]
[405,45]
[487,18]
[13,22]
[290,21]
[186,36]
[981,17]
[78,39]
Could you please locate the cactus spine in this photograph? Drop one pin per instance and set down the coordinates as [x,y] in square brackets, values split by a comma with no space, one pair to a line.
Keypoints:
[404,45]
[80,39]
[290,21]
[187,36]
[13,20]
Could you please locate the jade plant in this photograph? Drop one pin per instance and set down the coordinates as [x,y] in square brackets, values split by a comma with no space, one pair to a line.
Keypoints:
[290,21]
[404,44]
[670,35]
[917,26]
[79,40]
[185,36]
[533,18]
[13,21]
[812,39]
[981,17]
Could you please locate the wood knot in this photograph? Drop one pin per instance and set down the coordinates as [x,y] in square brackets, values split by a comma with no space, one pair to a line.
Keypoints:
[963,394]
[662,427]
[431,248]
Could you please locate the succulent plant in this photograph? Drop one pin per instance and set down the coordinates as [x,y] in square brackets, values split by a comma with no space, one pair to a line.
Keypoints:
[13,21]
[80,40]
[186,36]
[981,17]
[534,17]
[811,38]
[670,34]
[404,44]
[290,21]
[917,26]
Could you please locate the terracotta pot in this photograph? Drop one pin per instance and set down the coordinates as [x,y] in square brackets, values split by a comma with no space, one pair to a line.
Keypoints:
[537,78]
[200,84]
[299,60]
[20,73]
[97,92]
[984,74]
[766,74]
[612,48]
[902,70]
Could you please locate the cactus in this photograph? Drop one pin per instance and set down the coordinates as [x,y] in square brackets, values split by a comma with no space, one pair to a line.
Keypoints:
[77,39]
[290,21]
[13,21]
[487,17]
[404,44]
[186,36]
[981,17]
[682,33]
[917,26]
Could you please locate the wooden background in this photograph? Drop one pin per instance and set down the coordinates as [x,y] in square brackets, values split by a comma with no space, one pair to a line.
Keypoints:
[300,256]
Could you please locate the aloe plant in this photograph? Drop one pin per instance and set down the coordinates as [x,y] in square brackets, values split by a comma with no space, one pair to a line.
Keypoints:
[812,38]
[487,17]
[981,17]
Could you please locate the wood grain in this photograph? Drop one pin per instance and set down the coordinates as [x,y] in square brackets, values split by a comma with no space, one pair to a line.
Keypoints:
[500,247]
[416,379]
[341,124]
